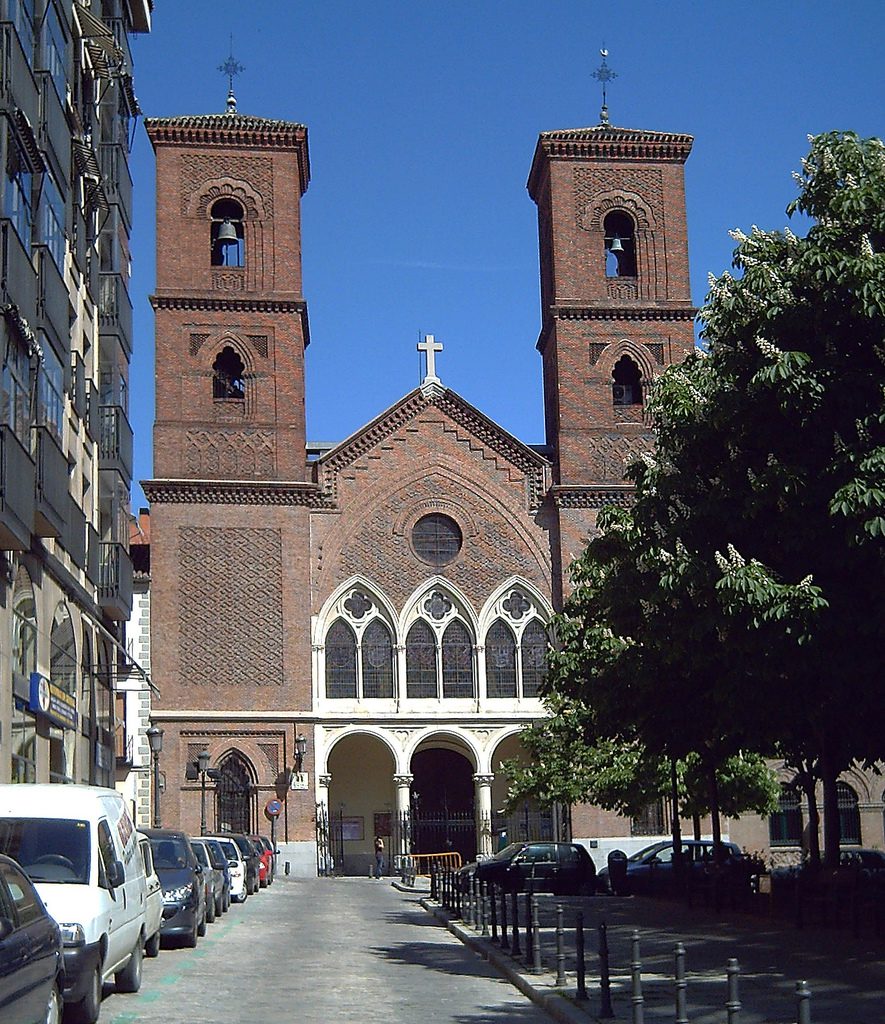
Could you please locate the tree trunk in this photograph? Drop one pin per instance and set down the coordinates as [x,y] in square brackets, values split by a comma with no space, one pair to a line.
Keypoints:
[696,825]
[829,777]
[714,815]
[809,788]
[676,824]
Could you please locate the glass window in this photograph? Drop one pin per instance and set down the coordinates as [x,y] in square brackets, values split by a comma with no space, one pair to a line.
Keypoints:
[17,191]
[51,220]
[24,744]
[15,392]
[340,661]
[50,390]
[23,895]
[436,539]
[500,661]
[200,854]
[849,814]
[54,51]
[21,14]
[377,647]
[24,627]
[420,661]
[785,824]
[63,651]
[534,658]
[457,661]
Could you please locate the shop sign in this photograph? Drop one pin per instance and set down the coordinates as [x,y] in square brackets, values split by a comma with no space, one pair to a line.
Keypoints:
[52,702]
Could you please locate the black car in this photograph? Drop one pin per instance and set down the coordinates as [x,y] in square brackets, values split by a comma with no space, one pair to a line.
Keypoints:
[651,868]
[180,874]
[253,862]
[213,879]
[564,868]
[31,956]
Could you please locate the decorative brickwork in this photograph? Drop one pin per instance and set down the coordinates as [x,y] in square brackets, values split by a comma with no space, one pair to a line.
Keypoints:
[230,575]
[196,343]
[199,168]
[258,343]
[271,753]
[637,190]
[232,455]
[229,280]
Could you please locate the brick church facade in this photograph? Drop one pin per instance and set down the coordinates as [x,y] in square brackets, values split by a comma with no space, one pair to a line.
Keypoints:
[383,600]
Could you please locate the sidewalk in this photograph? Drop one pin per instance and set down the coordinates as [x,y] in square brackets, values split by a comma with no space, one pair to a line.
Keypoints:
[846,974]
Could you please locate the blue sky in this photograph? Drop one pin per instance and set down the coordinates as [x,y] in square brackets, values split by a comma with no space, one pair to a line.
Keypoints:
[422,121]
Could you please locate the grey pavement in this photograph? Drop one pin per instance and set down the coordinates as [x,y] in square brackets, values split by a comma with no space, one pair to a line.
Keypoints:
[323,950]
[846,973]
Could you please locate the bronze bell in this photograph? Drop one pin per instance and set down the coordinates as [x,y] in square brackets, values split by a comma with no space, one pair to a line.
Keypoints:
[227,233]
[616,244]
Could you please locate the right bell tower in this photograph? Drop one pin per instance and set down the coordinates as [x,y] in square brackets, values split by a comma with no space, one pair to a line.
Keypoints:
[615,298]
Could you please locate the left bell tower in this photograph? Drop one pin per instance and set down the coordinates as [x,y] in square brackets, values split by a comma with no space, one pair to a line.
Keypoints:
[231,321]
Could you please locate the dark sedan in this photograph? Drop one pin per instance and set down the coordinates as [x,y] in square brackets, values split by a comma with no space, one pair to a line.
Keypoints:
[31,958]
[651,868]
[180,874]
[540,867]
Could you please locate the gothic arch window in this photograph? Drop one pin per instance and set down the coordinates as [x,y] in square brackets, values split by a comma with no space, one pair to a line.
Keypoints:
[457,661]
[233,795]
[420,661]
[377,660]
[63,674]
[626,382]
[785,824]
[340,661]
[500,660]
[533,657]
[227,239]
[228,376]
[849,814]
[620,245]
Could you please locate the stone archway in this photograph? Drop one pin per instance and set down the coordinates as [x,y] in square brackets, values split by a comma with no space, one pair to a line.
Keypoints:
[528,821]
[443,800]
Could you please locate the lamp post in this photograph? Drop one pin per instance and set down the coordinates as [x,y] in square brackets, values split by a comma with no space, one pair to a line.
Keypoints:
[300,750]
[202,768]
[155,741]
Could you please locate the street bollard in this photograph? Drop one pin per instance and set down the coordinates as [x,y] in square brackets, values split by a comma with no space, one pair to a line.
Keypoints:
[560,948]
[605,983]
[493,908]
[636,999]
[514,906]
[681,985]
[733,1005]
[457,896]
[536,937]
[803,1002]
[484,906]
[579,953]
[505,942]
[445,888]
[471,902]
[288,865]
[528,928]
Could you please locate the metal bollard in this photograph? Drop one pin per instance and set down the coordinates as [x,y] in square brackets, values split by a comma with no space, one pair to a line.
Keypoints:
[505,942]
[605,984]
[560,948]
[536,937]
[803,1002]
[493,907]
[579,953]
[471,903]
[288,865]
[528,928]
[733,1004]
[681,985]
[636,998]
[484,906]
[514,906]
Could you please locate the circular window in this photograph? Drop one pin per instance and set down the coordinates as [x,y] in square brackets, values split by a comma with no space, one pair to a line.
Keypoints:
[436,539]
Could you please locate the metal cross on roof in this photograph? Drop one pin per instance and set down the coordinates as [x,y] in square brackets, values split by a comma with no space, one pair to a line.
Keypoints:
[231,68]
[604,74]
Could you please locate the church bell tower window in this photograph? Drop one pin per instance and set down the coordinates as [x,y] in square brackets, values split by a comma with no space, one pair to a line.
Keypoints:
[620,245]
[227,376]
[227,240]
[627,383]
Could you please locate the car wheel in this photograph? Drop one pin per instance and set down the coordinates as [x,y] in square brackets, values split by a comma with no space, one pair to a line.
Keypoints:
[190,940]
[210,909]
[86,1011]
[152,946]
[201,928]
[53,1006]
[129,979]
[219,906]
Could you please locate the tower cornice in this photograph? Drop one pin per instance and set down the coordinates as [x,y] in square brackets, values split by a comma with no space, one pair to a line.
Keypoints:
[235,492]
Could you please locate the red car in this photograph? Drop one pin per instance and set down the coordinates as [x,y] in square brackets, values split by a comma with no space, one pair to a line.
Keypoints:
[266,854]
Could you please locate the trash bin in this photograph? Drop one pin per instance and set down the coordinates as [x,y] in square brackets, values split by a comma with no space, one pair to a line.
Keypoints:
[617,871]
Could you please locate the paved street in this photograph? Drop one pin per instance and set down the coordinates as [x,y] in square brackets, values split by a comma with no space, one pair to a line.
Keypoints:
[322,951]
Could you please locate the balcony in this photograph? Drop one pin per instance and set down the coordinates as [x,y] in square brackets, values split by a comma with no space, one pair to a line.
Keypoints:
[93,555]
[53,300]
[116,177]
[115,310]
[115,441]
[78,386]
[115,585]
[74,538]
[52,495]
[17,85]
[16,493]
[17,270]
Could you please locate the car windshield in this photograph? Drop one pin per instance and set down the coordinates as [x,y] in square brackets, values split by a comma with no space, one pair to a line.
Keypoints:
[170,852]
[49,850]
[216,854]
[231,850]
[200,854]
[508,852]
[647,851]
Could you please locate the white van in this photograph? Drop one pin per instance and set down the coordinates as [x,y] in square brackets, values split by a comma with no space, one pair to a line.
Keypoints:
[80,848]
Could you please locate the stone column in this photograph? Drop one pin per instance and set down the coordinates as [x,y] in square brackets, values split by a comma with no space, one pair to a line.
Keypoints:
[403,785]
[484,814]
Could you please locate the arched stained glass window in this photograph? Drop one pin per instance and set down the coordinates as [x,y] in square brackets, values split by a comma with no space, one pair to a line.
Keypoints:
[420,661]
[534,658]
[340,661]
[377,648]
[457,661]
[500,661]
[849,814]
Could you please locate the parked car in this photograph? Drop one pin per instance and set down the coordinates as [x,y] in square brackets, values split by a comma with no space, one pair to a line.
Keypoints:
[153,900]
[219,862]
[540,867]
[266,856]
[869,864]
[213,881]
[253,862]
[237,866]
[31,952]
[79,847]
[651,868]
[184,894]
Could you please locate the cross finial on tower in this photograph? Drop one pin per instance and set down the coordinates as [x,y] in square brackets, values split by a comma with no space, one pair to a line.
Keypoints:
[231,68]
[430,347]
[604,74]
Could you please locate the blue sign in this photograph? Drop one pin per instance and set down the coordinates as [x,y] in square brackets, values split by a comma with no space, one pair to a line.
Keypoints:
[52,702]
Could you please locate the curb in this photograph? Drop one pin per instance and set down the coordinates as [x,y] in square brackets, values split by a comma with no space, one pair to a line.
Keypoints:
[542,993]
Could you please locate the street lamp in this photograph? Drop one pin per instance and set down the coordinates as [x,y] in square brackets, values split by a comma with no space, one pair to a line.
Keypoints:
[202,768]
[155,741]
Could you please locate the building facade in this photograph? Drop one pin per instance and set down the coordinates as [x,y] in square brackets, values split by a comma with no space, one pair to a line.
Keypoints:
[68,110]
[381,603]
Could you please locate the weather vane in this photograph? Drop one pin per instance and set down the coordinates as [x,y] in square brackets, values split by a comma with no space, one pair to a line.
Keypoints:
[231,68]
[604,74]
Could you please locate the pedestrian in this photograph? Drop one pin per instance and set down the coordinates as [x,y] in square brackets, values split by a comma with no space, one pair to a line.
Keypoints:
[379,856]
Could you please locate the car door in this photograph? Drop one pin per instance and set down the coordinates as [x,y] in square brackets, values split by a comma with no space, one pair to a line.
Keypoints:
[539,867]
[32,949]
[13,956]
